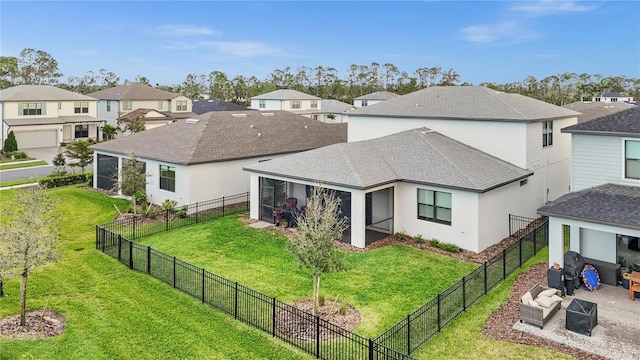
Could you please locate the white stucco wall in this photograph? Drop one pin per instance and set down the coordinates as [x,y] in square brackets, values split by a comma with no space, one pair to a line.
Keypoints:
[558,151]
[108,116]
[269,105]
[67,108]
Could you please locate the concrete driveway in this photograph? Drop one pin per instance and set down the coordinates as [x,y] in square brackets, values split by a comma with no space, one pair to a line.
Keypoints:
[47,153]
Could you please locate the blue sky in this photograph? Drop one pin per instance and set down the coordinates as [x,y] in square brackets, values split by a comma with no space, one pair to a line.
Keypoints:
[484,41]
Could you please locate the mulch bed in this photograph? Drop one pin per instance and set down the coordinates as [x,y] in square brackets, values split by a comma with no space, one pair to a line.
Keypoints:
[37,326]
[297,327]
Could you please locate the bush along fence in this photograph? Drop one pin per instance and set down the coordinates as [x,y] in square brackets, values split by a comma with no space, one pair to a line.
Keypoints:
[421,325]
[290,324]
[136,226]
[305,331]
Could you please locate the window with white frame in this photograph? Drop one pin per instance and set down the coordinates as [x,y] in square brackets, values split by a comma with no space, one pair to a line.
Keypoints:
[547,133]
[181,105]
[314,104]
[364,102]
[32,109]
[262,104]
[81,131]
[632,159]
[80,107]
[159,104]
[126,105]
[168,178]
[295,104]
[434,206]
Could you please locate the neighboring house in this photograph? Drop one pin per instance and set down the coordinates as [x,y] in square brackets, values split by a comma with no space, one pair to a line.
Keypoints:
[373,98]
[201,158]
[152,118]
[590,110]
[45,116]
[613,97]
[417,181]
[603,211]
[123,99]
[511,127]
[332,111]
[285,99]
[206,105]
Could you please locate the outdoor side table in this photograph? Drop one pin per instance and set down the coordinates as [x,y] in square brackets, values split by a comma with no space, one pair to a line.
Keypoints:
[582,316]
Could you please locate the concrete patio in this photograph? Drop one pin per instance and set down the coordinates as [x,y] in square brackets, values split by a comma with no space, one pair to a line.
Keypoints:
[617,335]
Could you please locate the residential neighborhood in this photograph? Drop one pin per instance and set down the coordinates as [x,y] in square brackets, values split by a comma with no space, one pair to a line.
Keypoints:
[384,180]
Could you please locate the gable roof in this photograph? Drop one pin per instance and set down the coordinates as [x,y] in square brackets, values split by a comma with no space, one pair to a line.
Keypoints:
[465,102]
[608,204]
[335,106]
[226,135]
[418,156]
[133,92]
[622,123]
[206,105]
[41,93]
[594,109]
[613,94]
[166,115]
[285,94]
[378,95]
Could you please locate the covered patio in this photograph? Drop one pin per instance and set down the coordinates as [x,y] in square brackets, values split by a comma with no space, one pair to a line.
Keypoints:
[615,336]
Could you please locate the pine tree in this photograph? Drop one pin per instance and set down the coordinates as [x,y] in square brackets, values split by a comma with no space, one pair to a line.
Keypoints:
[11,144]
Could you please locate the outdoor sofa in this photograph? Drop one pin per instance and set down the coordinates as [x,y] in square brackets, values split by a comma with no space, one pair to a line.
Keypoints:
[539,304]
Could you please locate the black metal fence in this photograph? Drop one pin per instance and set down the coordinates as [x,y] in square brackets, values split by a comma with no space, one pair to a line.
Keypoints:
[305,331]
[519,223]
[419,326]
[137,226]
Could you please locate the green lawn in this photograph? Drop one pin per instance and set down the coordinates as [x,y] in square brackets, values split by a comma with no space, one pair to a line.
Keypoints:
[19,165]
[384,284]
[115,313]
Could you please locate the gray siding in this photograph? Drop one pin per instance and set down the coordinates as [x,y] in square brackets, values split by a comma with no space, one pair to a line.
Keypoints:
[597,160]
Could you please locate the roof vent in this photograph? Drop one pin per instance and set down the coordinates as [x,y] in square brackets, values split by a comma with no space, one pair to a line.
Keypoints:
[239,115]
[192,121]
[251,126]
[267,114]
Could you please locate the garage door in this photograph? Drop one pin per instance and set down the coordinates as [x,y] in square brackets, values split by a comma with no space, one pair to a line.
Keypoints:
[36,139]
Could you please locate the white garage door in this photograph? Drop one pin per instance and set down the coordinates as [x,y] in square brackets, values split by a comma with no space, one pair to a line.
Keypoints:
[36,139]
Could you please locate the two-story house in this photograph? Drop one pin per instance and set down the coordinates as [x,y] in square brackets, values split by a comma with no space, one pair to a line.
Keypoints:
[286,99]
[373,98]
[444,162]
[45,116]
[159,107]
[602,213]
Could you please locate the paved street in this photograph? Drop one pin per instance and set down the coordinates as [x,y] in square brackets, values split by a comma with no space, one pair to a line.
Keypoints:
[46,154]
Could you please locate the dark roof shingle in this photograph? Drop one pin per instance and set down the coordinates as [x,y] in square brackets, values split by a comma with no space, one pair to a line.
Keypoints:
[622,123]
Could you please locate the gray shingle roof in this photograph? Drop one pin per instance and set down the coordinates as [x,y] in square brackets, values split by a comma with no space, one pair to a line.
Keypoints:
[206,105]
[285,94]
[133,92]
[221,136]
[609,204]
[418,156]
[594,109]
[334,106]
[466,102]
[378,95]
[41,93]
[622,123]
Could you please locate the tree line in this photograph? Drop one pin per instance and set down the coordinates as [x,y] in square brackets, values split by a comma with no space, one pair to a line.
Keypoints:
[38,67]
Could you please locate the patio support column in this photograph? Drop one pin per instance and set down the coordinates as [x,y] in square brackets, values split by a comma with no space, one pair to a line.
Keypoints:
[574,245]
[556,241]
[358,233]
[254,196]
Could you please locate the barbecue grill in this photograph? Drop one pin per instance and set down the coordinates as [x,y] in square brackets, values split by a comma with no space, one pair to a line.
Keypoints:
[573,264]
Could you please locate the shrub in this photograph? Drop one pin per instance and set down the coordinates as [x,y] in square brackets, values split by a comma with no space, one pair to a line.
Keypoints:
[151,212]
[10,143]
[140,196]
[434,242]
[63,144]
[343,309]
[169,205]
[418,238]
[16,154]
[53,182]
[182,212]
[401,235]
[450,247]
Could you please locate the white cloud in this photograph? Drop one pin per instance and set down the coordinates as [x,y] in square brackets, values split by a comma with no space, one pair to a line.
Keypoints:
[182,30]
[235,48]
[549,7]
[506,32]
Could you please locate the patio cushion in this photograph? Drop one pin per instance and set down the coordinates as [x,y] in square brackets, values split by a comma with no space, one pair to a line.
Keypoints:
[547,293]
[527,298]
[555,297]
[544,301]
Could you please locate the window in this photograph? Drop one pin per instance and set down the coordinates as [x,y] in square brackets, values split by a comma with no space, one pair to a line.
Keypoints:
[59,105]
[82,131]
[181,105]
[364,102]
[547,133]
[108,105]
[295,104]
[32,109]
[523,182]
[159,104]
[168,178]
[632,159]
[262,104]
[80,107]
[126,105]
[434,206]
[314,104]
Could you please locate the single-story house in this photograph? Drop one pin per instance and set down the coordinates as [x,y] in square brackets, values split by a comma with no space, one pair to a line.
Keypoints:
[417,181]
[201,158]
